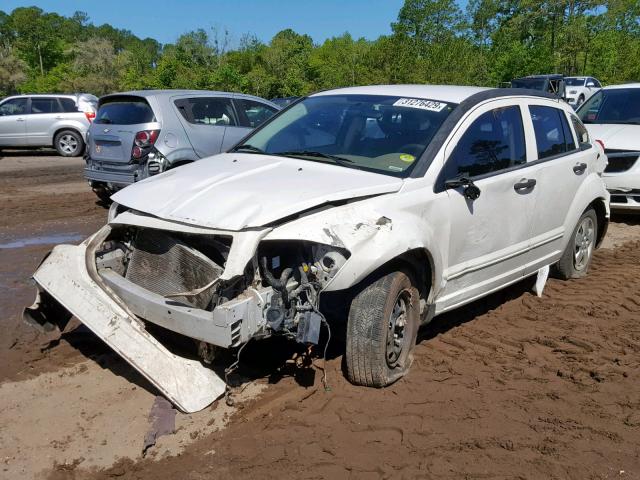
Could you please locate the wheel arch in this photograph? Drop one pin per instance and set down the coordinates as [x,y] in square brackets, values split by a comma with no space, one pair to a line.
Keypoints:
[61,129]
[600,207]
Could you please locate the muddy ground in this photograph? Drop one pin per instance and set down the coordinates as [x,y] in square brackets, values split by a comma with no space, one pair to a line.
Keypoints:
[513,386]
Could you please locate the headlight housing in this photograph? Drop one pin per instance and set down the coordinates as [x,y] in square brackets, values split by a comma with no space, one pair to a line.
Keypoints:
[316,261]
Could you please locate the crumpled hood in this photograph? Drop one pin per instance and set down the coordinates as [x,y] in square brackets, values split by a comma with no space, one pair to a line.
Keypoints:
[232,191]
[617,137]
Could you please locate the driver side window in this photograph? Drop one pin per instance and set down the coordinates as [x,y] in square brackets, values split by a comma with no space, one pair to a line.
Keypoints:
[493,142]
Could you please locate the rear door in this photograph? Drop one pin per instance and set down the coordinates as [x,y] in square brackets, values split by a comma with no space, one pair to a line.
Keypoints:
[117,121]
[45,112]
[561,168]
[251,114]
[13,122]
[489,236]
[206,120]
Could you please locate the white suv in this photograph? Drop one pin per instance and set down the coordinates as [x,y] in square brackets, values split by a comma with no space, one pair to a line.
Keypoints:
[403,201]
[47,120]
[612,116]
[579,89]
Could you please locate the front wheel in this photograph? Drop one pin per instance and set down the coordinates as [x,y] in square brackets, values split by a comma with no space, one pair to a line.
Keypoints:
[576,259]
[381,331]
[69,143]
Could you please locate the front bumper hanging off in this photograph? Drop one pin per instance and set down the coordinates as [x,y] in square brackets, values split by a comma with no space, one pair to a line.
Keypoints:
[63,279]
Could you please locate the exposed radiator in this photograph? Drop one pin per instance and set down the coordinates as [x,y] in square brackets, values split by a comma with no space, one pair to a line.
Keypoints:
[165,265]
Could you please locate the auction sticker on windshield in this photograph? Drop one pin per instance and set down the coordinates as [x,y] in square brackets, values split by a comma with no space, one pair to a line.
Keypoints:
[430,105]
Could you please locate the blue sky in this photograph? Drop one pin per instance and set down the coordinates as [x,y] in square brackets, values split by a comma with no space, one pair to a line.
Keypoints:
[165,20]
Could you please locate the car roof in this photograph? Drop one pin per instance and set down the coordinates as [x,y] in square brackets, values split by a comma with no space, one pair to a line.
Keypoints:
[48,95]
[445,93]
[622,85]
[175,92]
[546,75]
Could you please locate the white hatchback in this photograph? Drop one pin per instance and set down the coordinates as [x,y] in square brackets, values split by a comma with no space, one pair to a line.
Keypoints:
[613,116]
[396,202]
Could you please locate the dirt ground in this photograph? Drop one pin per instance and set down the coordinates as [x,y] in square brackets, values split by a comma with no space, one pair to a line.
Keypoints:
[513,386]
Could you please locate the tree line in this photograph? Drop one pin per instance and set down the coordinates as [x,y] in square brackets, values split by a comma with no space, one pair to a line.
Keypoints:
[432,41]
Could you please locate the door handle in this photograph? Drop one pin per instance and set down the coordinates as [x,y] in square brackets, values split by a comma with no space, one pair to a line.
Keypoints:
[20,119]
[525,184]
[579,168]
[59,117]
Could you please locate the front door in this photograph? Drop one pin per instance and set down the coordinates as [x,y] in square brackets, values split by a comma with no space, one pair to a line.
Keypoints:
[489,235]
[13,122]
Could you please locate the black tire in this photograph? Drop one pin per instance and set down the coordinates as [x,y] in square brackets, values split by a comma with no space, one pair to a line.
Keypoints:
[69,143]
[583,239]
[102,192]
[580,100]
[370,359]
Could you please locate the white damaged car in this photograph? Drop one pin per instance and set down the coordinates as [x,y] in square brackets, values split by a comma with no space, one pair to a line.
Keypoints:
[408,201]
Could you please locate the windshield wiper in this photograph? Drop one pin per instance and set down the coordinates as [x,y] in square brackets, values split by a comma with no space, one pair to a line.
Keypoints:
[310,153]
[247,148]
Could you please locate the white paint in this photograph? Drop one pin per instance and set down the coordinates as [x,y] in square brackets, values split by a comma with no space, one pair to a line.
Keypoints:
[235,191]
[186,383]
[541,280]
[445,93]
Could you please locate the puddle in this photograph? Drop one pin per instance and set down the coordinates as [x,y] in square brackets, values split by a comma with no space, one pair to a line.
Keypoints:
[42,240]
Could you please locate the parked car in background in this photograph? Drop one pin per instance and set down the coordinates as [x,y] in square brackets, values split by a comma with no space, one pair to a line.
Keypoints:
[612,116]
[284,101]
[142,133]
[399,202]
[59,121]
[580,89]
[552,84]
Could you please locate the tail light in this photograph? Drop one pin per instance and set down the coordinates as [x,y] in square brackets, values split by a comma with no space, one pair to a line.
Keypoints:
[90,116]
[601,143]
[143,142]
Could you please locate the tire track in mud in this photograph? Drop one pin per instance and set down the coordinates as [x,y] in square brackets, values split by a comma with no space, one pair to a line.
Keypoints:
[513,386]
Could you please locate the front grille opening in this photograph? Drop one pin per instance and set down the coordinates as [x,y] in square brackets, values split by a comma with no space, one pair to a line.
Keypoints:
[168,263]
[620,160]
[618,199]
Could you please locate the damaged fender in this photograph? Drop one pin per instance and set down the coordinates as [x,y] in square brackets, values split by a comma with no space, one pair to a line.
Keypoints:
[372,236]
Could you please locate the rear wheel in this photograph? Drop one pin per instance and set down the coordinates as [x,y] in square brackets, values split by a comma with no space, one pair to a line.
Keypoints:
[576,259]
[580,100]
[381,331]
[69,143]
[102,191]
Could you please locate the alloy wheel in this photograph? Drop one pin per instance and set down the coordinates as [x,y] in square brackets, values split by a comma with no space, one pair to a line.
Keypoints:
[68,144]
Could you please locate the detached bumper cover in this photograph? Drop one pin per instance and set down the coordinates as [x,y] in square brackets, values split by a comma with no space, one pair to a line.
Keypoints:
[186,383]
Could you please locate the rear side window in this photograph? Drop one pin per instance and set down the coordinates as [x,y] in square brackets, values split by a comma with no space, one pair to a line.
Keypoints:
[255,113]
[207,111]
[124,111]
[553,136]
[45,105]
[493,142]
[68,105]
[581,132]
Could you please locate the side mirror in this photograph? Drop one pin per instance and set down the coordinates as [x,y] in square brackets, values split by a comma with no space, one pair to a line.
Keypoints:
[591,85]
[470,191]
